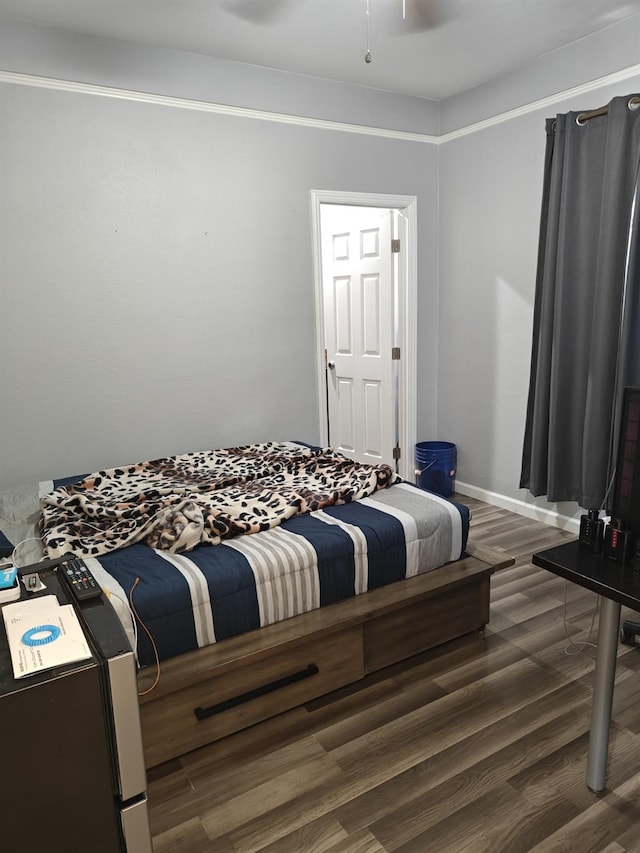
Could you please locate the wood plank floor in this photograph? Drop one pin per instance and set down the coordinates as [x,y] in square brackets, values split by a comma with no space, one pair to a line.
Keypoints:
[478,747]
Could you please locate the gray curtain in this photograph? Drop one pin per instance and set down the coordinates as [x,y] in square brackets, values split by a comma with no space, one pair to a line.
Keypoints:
[584,350]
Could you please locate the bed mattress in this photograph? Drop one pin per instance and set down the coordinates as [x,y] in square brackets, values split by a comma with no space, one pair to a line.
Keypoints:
[190,600]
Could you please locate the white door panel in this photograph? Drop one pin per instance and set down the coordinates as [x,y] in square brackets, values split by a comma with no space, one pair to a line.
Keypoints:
[357,275]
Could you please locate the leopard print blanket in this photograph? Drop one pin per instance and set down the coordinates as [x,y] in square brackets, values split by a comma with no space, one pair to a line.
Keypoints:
[175,503]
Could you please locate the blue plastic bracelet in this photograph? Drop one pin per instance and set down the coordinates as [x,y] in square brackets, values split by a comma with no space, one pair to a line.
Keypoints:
[53,632]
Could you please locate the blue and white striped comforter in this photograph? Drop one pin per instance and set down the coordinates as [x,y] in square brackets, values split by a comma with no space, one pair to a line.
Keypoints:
[191,600]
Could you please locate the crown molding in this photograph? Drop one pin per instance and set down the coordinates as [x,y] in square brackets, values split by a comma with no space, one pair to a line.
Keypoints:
[17,78]
[543,103]
[207,107]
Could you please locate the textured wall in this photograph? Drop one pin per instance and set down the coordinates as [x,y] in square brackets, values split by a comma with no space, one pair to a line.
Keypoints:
[157,277]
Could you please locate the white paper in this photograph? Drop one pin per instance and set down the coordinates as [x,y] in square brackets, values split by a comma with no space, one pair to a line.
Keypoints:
[49,617]
[41,602]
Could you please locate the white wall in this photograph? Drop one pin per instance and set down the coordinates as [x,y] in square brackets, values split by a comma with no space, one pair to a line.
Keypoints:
[491,176]
[156,269]
[155,260]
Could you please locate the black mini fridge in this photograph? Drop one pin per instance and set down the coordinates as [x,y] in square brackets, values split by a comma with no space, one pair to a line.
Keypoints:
[72,775]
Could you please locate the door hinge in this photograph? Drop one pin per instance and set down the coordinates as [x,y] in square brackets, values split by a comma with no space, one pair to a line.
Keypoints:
[325,358]
[395,246]
[395,354]
[397,453]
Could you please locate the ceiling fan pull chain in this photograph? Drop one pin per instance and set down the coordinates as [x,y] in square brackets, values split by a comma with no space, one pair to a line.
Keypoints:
[367,56]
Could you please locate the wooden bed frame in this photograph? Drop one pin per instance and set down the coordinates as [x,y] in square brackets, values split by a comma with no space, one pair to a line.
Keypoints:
[203,696]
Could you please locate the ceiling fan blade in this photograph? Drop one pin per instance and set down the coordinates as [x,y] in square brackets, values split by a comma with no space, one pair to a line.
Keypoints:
[257,11]
[425,14]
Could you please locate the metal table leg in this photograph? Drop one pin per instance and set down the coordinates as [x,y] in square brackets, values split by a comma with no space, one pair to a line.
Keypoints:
[603,694]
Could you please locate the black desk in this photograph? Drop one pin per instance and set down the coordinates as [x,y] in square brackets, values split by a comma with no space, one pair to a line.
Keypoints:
[616,585]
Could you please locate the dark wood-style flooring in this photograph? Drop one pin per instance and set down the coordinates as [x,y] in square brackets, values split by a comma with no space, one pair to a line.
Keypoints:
[480,746]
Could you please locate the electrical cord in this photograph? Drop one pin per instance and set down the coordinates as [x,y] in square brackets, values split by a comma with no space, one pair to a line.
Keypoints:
[134,622]
[135,616]
[148,632]
[14,553]
[583,646]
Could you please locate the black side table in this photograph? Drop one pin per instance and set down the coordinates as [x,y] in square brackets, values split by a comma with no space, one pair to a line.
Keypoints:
[616,585]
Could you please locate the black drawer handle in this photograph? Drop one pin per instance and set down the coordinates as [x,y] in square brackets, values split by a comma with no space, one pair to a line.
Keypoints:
[212,710]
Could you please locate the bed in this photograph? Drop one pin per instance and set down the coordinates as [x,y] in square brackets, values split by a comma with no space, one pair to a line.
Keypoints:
[340,571]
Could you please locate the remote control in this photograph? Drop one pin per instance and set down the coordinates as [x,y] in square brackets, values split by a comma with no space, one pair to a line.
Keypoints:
[79,579]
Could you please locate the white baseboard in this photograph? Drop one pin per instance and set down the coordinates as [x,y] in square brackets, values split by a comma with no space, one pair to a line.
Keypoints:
[538,513]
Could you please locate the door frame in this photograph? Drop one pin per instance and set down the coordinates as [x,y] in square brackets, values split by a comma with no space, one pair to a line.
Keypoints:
[407,304]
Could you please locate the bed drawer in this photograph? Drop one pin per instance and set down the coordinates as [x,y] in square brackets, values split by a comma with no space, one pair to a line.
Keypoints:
[177,722]
[426,623]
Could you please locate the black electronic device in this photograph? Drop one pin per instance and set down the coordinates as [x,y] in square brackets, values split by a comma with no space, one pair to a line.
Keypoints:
[625,504]
[73,776]
[591,531]
[79,579]
[618,542]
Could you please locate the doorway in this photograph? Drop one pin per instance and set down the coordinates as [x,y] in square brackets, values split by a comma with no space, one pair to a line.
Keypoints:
[365,301]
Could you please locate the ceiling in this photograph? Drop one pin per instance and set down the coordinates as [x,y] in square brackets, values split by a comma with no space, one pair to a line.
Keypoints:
[460,44]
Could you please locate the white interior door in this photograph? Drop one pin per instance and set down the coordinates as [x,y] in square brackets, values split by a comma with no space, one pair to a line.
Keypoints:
[359,321]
